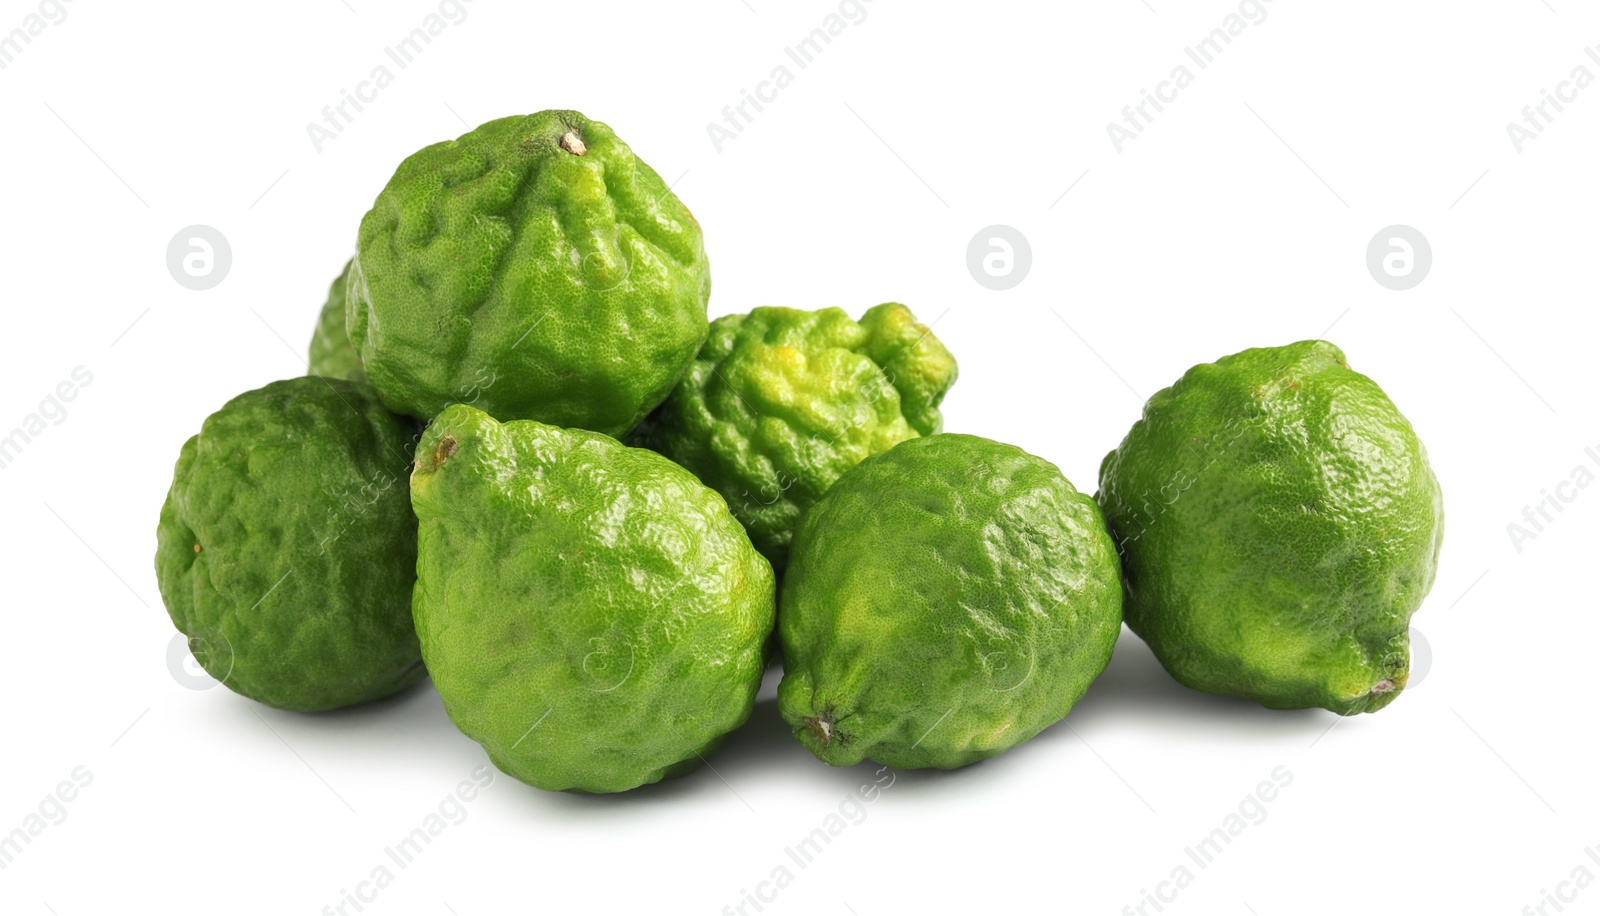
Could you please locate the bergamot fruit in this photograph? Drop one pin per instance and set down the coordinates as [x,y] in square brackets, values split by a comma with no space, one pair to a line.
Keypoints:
[781,401]
[590,612]
[946,600]
[332,355]
[1279,524]
[286,549]
[533,267]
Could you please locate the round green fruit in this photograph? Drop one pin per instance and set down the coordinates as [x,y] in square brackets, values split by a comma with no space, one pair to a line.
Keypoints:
[286,549]
[534,268]
[781,401]
[332,355]
[590,612]
[1279,524]
[946,600]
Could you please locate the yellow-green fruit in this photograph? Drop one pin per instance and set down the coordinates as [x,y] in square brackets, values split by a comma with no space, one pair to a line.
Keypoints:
[590,612]
[1279,524]
[782,401]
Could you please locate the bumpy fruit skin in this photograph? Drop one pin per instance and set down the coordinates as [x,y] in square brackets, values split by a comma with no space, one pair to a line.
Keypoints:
[534,268]
[332,354]
[286,549]
[590,612]
[946,600]
[1278,523]
[781,401]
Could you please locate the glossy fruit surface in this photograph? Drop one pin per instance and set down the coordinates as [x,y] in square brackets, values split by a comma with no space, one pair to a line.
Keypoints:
[533,267]
[590,612]
[946,600]
[1279,524]
[782,401]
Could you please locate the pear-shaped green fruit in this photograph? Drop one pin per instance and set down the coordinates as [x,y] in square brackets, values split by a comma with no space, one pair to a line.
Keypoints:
[590,612]
[1278,523]
[946,600]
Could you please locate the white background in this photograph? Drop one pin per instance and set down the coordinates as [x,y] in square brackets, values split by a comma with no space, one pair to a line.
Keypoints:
[1239,218]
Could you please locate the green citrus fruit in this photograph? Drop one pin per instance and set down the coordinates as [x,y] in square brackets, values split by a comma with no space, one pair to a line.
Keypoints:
[946,600]
[532,267]
[332,355]
[286,550]
[780,402]
[1278,523]
[590,612]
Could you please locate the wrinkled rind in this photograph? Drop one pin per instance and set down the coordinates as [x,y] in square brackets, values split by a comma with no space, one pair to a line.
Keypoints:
[1279,524]
[591,613]
[332,354]
[782,401]
[918,365]
[500,270]
[945,601]
[300,594]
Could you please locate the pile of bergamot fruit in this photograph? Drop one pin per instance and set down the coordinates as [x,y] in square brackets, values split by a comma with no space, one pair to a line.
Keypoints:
[525,464]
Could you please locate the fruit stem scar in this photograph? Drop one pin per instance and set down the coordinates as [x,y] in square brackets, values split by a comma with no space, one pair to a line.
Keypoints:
[445,448]
[572,143]
[821,728]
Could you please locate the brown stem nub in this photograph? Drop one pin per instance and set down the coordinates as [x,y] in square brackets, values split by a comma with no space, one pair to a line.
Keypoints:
[572,143]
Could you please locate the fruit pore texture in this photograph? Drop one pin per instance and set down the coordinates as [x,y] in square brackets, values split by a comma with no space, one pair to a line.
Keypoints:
[286,549]
[1279,524]
[533,267]
[946,600]
[781,401]
[331,353]
[591,613]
